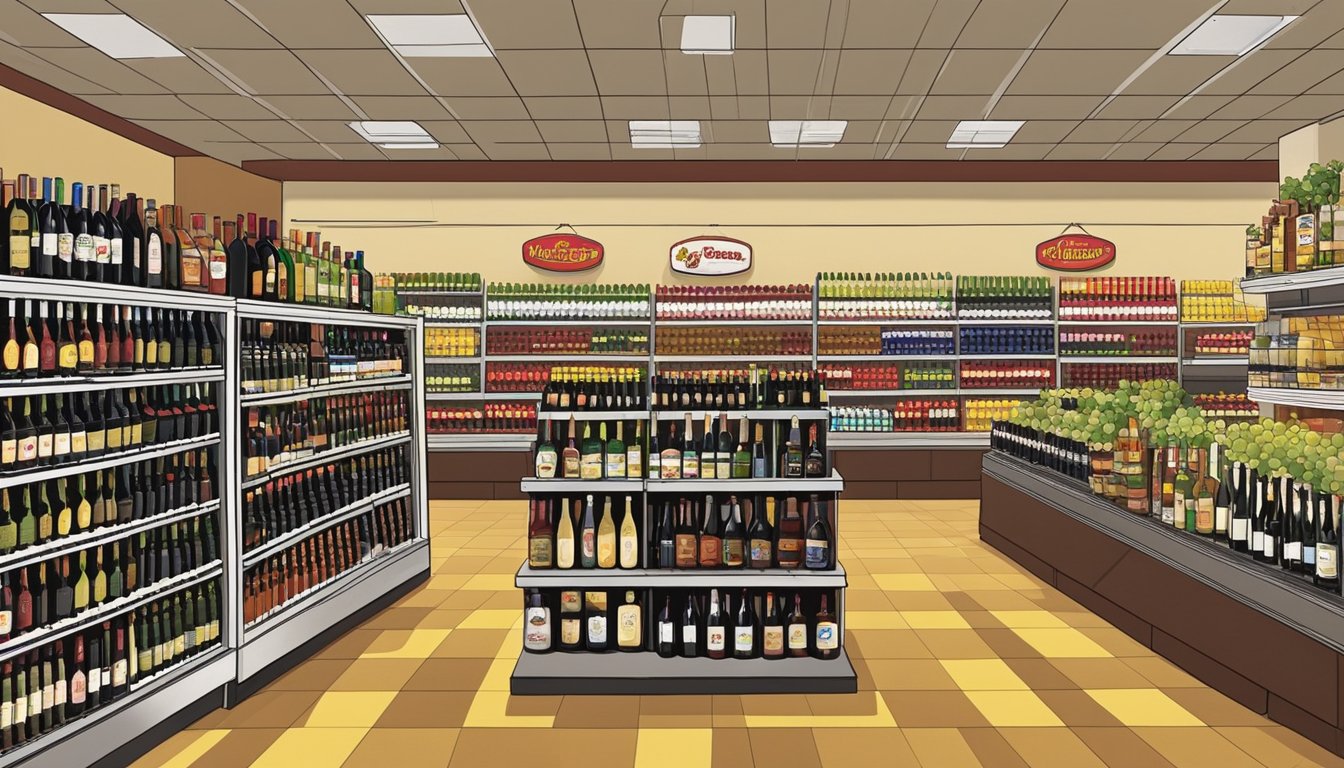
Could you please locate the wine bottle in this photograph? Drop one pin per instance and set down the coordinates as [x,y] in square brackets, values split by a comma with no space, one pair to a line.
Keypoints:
[715,635]
[629,624]
[690,628]
[537,623]
[571,620]
[734,544]
[817,547]
[606,539]
[588,536]
[667,644]
[711,543]
[772,630]
[690,458]
[564,539]
[540,539]
[629,538]
[595,621]
[827,636]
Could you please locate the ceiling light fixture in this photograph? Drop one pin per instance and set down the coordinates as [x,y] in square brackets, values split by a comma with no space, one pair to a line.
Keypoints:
[708,34]
[664,134]
[393,134]
[983,134]
[1228,35]
[115,34]
[408,145]
[807,133]
[425,36]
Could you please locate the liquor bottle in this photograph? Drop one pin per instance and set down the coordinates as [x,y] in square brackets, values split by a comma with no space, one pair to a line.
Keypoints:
[709,454]
[546,457]
[564,538]
[772,630]
[570,455]
[629,625]
[1273,531]
[740,463]
[606,539]
[19,219]
[715,634]
[666,539]
[629,542]
[734,545]
[634,452]
[1307,529]
[758,463]
[537,623]
[792,459]
[1291,548]
[595,621]
[540,537]
[818,543]
[827,636]
[687,548]
[256,267]
[815,462]
[1326,574]
[711,544]
[690,458]
[269,256]
[690,628]
[669,461]
[760,534]
[667,630]
[571,620]
[744,630]
[789,544]
[239,278]
[615,463]
[588,536]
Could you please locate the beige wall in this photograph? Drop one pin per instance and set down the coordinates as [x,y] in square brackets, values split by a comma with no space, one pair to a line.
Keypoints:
[1182,230]
[205,185]
[42,141]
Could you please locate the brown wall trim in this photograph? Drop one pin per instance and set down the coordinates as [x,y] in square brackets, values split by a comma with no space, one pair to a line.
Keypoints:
[37,90]
[765,170]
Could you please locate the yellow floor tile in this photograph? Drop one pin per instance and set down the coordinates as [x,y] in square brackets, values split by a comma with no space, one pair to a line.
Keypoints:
[311,748]
[1005,709]
[204,741]
[674,747]
[416,644]
[874,620]
[903,582]
[484,618]
[1137,707]
[1062,643]
[934,620]
[983,675]
[492,582]
[348,709]
[1029,619]
[489,709]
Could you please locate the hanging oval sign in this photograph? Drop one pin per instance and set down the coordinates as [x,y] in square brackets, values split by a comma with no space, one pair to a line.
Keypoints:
[562,253]
[1075,253]
[710,256]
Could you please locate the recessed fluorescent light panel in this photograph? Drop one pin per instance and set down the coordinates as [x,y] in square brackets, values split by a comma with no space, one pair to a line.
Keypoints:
[708,34]
[806,133]
[664,134]
[115,34]
[1225,35]
[424,36]
[394,134]
[983,134]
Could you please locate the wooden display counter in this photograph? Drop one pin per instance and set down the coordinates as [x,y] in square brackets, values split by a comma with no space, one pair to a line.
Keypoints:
[1265,638]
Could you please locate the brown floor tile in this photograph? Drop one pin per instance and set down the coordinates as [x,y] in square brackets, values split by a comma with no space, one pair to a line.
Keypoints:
[919,601]
[511,600]
[524,706]
[1215,709]
[376,675]
[1051,748]
[955,644]
[311,675]
[991,748]
[1040,674]
[448,675]
[861,704]
[471,643]
[1121,747]
[940,748]
[1007,644]
[1162,673]
[398,618]
[1276,745]
[170,749]
[793,747]
[350,645]
[443,619]
[427,709]
[676,705]
[558,748]
[1101,673]
[464,564]
[962,602]
[464,600]
[404,748]
[1196,748]
[866,600]
[862,674]
[239,748]
[1117,642]
[267,708]
[979,618]
[424,598]
[731,748]
[947,565]
[776,704]
[1077,709]
[1002,600]
[933,709]
[863,748]
[911,675]
[598,712]
[888,644]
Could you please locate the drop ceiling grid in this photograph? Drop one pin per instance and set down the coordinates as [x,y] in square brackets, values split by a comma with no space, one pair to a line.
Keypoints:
[586,62]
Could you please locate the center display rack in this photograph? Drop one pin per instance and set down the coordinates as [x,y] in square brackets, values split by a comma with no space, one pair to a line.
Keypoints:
[653,573]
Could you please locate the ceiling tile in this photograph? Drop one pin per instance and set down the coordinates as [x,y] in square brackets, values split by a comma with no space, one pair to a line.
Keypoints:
[462,76]
[145,107]
[1270,152]
[1264,131]
[861,131]
[859,107]
[300,150]
[884,24]
[549,73]
[870,71]
[953,108]
[363,73]
[488,108]
[945,24]
[1078,151]
[904,107]
[442,153]
[626,152]
[1197,107]
[446,131]
[1091,131]
[544,24]
[97,67]
[482,131]
[533,151]
[633,73]
[1164,130]
[743,152]
[744,72]
[618,24]
[1044,107]
[570,151]
[267,131]
[923,151]
[330,131]
[793,72]
[921,71]
[267,72]
[311,107]
[1135,150]
[796,23]
[1319,22]
[846,151]
[466,152]
[1227,151]
[740,107]
[1332,85]
[71,6]
[191,132]
[237,152]
[179,75]
[1140,24]
[1139,107]
[47,72]
[228,107]
[402,107]
[1242,74]
[929,132]
[572,130]
[361,151]
[1007,23]
[800,107]
[564,107]
[635,107]
[974,72]
[1177,75]
[292,23]
[1306,108]
[1206,131]
[736,132]
[1249,107]
[1076,73]
[1176,151]
[407,6]
[1304,71]
[690,107]
[206,24]
[1010,152]
[1044,131]
[28,28]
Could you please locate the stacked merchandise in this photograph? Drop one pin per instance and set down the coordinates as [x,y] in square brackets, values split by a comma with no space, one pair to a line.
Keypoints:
[1304,229]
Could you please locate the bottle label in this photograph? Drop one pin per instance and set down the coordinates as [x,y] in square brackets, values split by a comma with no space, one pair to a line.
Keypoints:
[69,356]
[50,244]
[9,452]
[6,622]
[586,544]
[119,673]
[744,639]
[85,352]
[20,709]
[34,700]
[732,551]
[1327,561]
[546,464]
[634,462]
[1268,549]
[715,638]
[707,467]
[666,632]
[627,626]
[219,269]
[191,272]
[798,637]
[1220,517]
[538,633]
[6,715]
[685,549]
[102,250]
[773,640]
[539,552]
[95,683]
[817,553]
[1292,550]
[827,637]
[84,248]
[597,629]
[114,251]
[79,442]
[19,245]
[571,466]
[154,255]
[569,631]
[78,688]
[629,552]
[688,634]
[65,246]
[590,467]
[655,466]
[690,466]
[48,696]
[761,551]
[1204,514]
[1309,554]
[616,465]
[28,448]
[61,446]
[1240,526]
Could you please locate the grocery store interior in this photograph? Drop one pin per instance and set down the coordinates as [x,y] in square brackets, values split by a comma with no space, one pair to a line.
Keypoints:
[817,383]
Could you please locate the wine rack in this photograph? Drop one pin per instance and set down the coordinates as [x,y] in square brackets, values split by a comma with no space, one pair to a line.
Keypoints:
[645,671]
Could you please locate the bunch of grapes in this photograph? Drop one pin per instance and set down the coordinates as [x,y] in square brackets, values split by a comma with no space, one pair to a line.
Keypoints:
[1288,448]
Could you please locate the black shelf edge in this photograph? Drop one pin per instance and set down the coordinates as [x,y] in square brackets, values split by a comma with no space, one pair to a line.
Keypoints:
[647,673]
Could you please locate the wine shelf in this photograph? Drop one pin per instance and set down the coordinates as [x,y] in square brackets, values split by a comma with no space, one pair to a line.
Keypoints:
[1237,360]
[1004,392]
[676,578]
[895,321]
[102,293]
[1127,359]
[1293,281]
[110,381]
[1329,399]
[374,384]
[861,393]
[512,396]
[1216,324]
[1003,322]
[455,294]
[558,485]
[838,440]
[144,453]
[1117,323]
[832,484]
[435,322]
[1004,356]
[39,637]
[648,673]
[453,359]
[348,512]
[760,414]
[734,321]
[480,442]
[879,358]
[451,396]
[574,358]
[560,416]
[621,323]
[99,536]
[713,361]
[334,454]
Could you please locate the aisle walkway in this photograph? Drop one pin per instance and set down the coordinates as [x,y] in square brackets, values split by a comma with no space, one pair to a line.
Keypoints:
[963,660]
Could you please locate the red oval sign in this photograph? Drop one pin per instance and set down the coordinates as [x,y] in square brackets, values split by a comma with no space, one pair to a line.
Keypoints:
[562,253]
[1075,253]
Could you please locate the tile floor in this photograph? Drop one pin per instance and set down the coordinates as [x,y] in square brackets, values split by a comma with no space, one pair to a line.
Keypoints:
[964,659]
